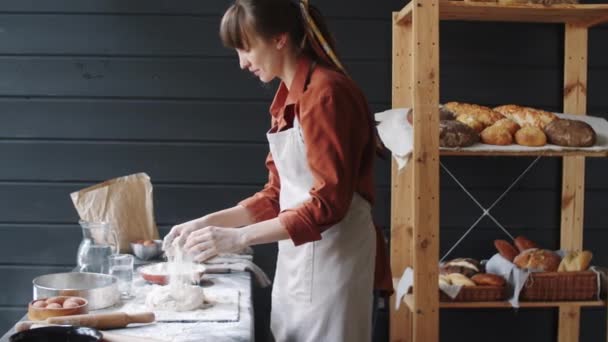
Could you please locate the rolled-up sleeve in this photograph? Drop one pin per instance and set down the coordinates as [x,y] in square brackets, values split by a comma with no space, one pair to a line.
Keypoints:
[335,132]
[264,205]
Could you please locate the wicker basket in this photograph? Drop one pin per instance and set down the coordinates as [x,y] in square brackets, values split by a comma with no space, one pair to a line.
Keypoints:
[560,286]
[476,294]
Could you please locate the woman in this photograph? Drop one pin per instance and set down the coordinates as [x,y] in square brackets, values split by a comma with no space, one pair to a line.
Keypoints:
[317,201]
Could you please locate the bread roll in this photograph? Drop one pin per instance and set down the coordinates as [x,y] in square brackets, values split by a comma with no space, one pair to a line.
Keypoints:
[575,261]
[444,280]
[509,124]
[471,122]
[526,116]
[454,133]
[465,266]
[483,114]
[488,279]
[506,249]
[571,133]
[522,243]
[542,260]
[530,136]
[460,279]
[496,135]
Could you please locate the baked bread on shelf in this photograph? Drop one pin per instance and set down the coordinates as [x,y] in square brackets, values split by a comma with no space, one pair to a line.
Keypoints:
[488,279]
[526,116]
[509,124]
[506,249]
[454,133]
[496,135]
[571,133]
[530,136]
[459,279]
[542,260]
[483,114]
[575,261]
[470,121]
[522,243]
[465,266]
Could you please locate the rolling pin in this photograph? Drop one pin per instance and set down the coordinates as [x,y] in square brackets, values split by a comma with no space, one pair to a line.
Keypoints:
[103,320]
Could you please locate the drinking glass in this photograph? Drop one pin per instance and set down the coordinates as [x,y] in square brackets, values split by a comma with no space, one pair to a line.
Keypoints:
[121,266]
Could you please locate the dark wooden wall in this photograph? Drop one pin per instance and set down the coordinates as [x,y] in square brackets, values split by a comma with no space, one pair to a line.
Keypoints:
[91,90]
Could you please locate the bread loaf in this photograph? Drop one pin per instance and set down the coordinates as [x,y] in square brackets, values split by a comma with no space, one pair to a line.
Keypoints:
[575,261]
[542,260]
[509,124]
[465,266]
[522,243]
[470,121]
[460,279]
[505,249]
[488,279]
[571,133]
[483,114]
[454,133]
[530,136]
[526,116]
[496,135]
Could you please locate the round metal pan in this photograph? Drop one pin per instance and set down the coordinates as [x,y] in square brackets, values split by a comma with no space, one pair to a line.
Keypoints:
[58,334]
[101,290]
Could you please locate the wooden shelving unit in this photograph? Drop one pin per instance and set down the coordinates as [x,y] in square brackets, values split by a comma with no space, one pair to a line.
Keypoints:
[415,190]
[409,301]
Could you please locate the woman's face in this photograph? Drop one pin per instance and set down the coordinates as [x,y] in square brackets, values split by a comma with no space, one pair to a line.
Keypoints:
[262,59]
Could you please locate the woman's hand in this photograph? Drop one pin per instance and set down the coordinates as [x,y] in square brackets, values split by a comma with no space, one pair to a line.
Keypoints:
[208,242]
[179,234]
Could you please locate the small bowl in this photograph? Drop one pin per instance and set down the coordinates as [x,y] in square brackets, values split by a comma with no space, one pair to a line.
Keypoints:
[158,273]
[147,249]
[37,313]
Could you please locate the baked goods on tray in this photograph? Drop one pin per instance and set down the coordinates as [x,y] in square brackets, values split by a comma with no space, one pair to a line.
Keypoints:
[572,133]
[526,116]
[454,133]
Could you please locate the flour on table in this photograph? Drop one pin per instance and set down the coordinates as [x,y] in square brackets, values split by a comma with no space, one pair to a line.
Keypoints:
[182,297]
[179,294]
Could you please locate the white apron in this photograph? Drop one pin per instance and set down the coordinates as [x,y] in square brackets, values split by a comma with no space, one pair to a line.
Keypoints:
[322,290]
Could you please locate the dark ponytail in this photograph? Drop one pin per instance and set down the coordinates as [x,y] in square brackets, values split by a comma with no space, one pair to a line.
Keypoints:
[268,18]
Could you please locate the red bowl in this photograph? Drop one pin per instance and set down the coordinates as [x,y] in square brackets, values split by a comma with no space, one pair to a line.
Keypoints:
[158,273]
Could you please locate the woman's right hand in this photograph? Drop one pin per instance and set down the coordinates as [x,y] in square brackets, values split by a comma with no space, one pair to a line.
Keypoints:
[179,233]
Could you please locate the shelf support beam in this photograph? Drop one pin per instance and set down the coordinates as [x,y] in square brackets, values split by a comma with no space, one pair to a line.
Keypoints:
[401,181]
[425,160]
[573,168]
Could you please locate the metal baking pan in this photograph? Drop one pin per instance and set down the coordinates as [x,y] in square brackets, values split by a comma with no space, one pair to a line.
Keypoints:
[101,290]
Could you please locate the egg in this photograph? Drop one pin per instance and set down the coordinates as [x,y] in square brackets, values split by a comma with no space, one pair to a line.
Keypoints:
[57,300]
[70,304]
[39,304]
[54,306]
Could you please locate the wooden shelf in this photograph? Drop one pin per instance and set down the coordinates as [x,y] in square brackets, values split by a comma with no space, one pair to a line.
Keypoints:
[586,15]
[409,300]
[545,153]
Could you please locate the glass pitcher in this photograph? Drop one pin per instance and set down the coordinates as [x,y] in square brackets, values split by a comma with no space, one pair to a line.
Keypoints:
[99,241]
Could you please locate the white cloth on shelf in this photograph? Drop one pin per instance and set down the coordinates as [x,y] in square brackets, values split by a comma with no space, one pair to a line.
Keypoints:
[396,134]
[407,281]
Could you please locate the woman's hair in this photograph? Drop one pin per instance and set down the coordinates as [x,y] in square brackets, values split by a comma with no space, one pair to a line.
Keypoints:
[268,18]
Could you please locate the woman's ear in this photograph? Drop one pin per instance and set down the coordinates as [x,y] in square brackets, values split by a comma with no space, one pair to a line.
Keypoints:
[281,40]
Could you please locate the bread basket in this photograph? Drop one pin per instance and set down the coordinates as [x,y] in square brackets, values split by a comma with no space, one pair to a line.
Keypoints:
[476,294]
[560,286]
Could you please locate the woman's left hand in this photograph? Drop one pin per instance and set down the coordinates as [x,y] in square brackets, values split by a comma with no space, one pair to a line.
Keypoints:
[210,241]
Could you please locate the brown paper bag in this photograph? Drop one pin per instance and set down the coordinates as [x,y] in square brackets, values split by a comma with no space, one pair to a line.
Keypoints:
[124,202]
